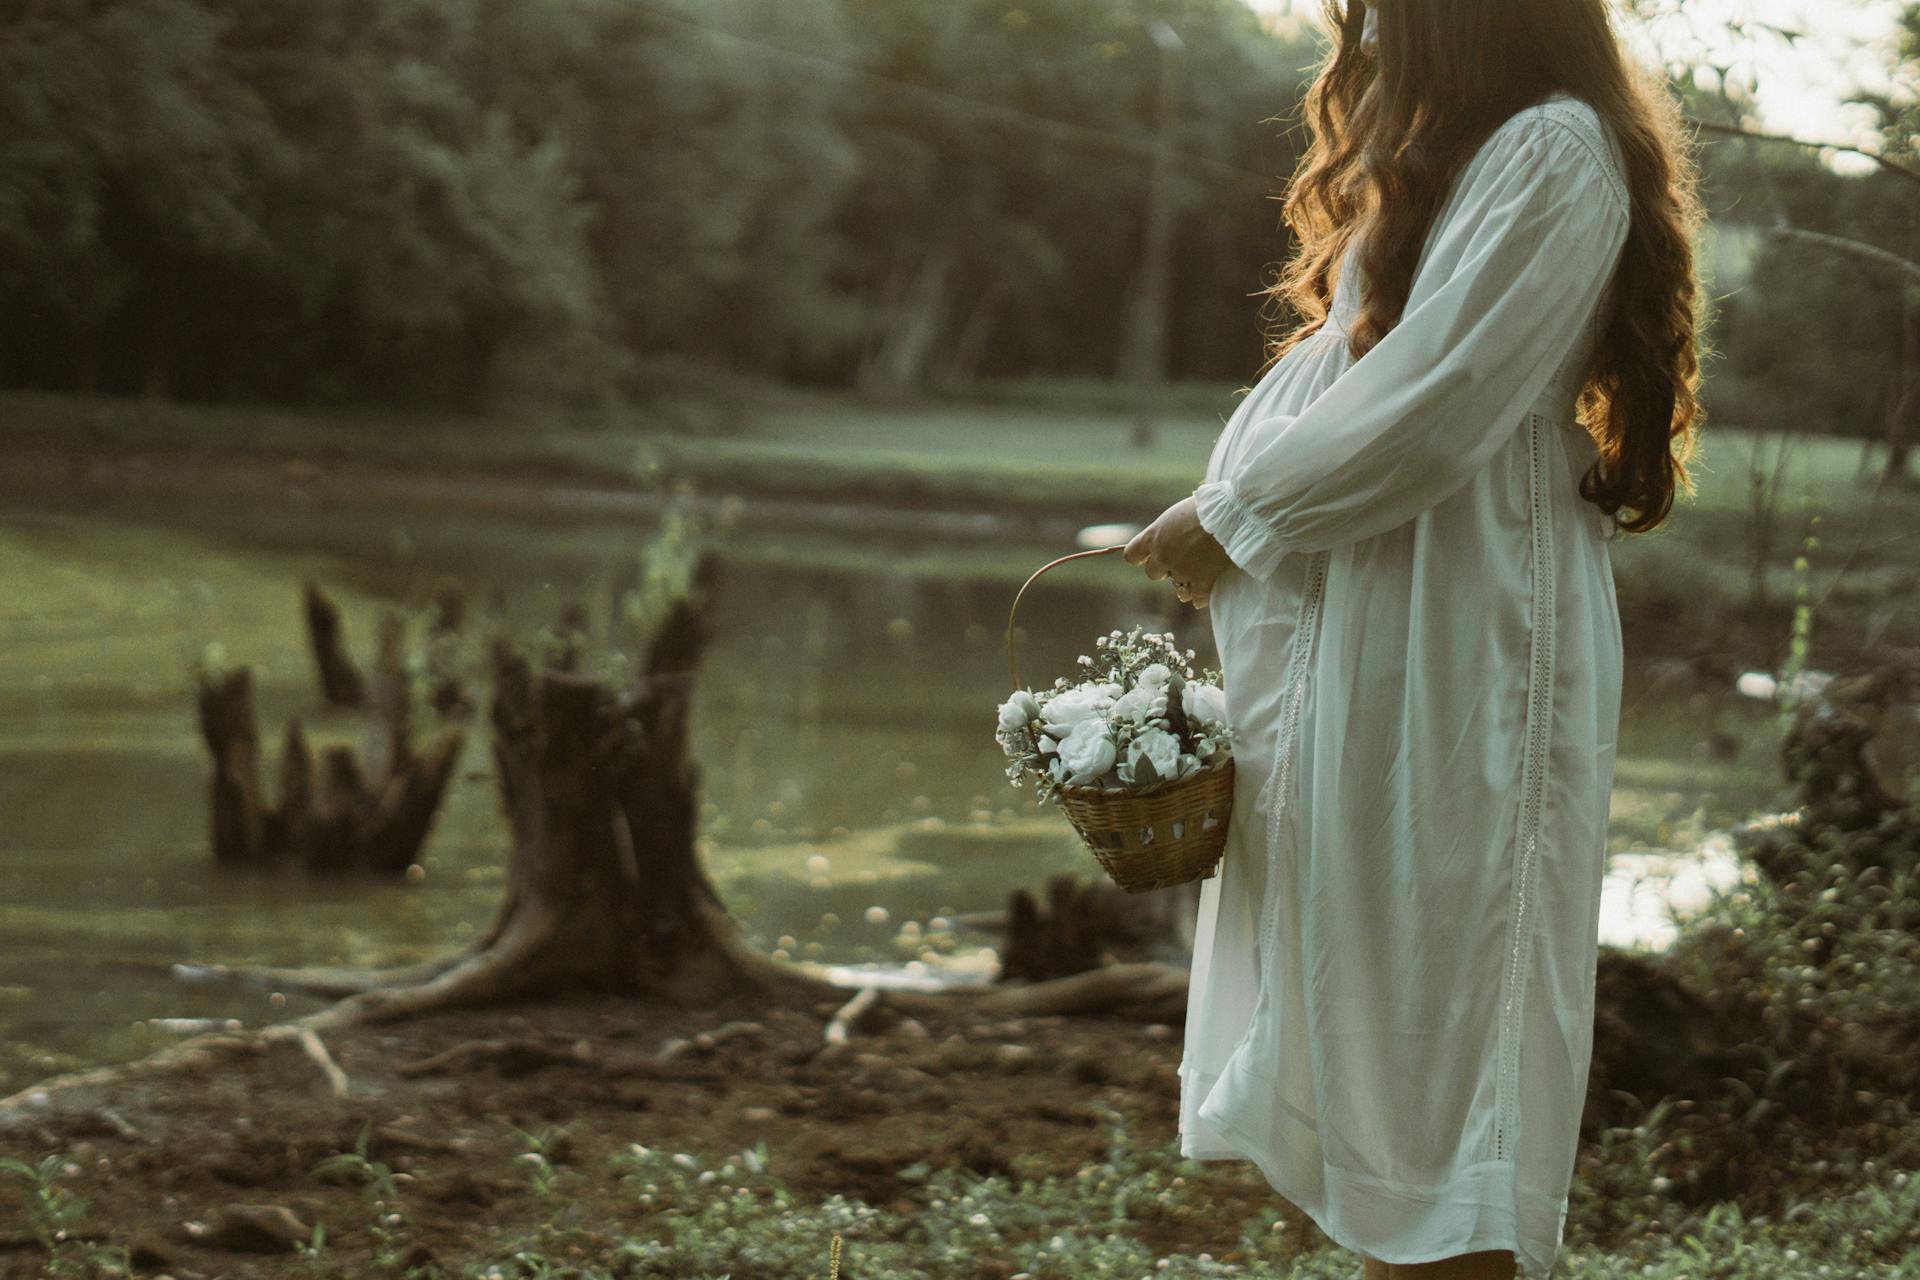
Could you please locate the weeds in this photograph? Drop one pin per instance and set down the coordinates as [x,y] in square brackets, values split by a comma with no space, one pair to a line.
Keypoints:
[54,1215]
[381,1185]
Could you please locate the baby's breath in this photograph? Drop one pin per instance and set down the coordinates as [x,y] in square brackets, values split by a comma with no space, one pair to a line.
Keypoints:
[1108,675]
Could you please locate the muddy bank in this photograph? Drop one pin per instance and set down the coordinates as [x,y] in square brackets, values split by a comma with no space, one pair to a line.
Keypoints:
[453,1100]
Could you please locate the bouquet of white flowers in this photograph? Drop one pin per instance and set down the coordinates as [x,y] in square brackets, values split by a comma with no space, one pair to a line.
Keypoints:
[1141,717]
[1138,754]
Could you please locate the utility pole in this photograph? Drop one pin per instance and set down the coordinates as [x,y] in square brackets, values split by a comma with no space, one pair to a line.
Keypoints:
[1147,359]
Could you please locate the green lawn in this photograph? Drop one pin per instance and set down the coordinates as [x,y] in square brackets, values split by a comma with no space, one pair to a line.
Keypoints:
[1063,449]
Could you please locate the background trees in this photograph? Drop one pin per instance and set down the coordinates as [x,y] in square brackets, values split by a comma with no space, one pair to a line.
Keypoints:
[477,202]
[463,201]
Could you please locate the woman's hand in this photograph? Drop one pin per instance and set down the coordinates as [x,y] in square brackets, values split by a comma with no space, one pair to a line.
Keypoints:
[1176,546]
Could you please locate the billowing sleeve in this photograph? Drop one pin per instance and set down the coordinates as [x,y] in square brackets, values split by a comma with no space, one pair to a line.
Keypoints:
[1513,269]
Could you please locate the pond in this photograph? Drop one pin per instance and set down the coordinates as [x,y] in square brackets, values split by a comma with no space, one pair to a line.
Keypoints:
[854,798]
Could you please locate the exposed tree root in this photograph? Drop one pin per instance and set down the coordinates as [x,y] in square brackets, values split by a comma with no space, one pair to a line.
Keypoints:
[199,1053]
[326,983]
[508,1057]
[336,1078]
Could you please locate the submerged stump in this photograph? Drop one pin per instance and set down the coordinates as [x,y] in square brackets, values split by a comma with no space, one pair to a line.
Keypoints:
[341,683]
[333,815]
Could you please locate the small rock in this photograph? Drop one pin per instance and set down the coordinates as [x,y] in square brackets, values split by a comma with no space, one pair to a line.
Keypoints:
[1013,1057]
[1159,1031]
[913,1029]
[757,1114]
[252,1228]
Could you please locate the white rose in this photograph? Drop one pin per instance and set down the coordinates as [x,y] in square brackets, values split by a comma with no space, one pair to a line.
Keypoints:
[1019,711]
[1088,751]
[1158,673]
[1204,703]
[1069,708]
[1135,704]
[1160,748]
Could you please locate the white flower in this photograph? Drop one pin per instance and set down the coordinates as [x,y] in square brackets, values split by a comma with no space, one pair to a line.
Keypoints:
[1204,703]
[1160,748]
[1019,711]
[1083,702]
[1088,751]
[1158,673]
[1189,763]
[1135,704]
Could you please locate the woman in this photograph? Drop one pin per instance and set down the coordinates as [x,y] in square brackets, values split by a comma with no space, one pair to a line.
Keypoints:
[1401,540]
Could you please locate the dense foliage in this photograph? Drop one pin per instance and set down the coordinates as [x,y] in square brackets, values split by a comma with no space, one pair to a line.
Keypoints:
[1806,979]
[455,201]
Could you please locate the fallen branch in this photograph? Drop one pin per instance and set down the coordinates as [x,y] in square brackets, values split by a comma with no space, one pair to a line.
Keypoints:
[850,1013]
[393,1135]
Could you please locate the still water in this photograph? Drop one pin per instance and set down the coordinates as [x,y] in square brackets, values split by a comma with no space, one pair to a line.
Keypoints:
[854,795]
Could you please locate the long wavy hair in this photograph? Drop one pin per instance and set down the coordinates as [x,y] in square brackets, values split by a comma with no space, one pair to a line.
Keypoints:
[1392,126]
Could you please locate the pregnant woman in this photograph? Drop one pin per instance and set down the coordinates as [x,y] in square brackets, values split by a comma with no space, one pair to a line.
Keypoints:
[1402,541]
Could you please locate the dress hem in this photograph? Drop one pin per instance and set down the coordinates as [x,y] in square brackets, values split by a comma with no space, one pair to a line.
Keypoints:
[1223,1134]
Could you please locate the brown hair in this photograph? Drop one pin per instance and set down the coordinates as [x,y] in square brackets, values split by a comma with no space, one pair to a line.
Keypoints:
[1393,126]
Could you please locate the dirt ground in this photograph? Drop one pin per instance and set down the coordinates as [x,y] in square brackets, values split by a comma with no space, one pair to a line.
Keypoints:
[158,1154]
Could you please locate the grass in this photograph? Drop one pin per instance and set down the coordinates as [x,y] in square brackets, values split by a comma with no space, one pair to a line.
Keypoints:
[717,1217]
[1053,448]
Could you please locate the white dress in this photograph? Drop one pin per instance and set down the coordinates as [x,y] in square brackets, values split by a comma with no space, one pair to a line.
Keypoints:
[1391,1000]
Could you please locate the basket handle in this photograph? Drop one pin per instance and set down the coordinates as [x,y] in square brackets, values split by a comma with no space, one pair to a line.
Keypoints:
[1013,668]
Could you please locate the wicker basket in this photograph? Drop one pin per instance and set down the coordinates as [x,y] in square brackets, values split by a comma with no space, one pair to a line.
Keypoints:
[1173,832]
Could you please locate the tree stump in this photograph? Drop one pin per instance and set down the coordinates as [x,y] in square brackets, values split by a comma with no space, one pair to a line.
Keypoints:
[605,891]
[332,817]
[1828,758]
[341,683]
[1088,923]
[445,693]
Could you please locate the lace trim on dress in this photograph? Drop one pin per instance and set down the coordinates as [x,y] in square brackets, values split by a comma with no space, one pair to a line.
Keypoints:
[1540,684]
[1280,780]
